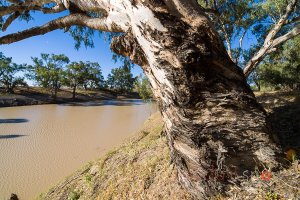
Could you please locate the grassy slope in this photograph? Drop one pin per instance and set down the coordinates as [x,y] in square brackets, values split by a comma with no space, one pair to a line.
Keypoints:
[141,169]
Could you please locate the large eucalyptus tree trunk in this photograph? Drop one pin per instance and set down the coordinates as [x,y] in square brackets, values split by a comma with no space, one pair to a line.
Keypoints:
[216,129]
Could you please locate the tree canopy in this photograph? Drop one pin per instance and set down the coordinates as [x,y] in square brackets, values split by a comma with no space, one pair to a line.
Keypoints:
[271,22]
[8,74]
[83,74]
[48,71]
[120,79]
[144,88]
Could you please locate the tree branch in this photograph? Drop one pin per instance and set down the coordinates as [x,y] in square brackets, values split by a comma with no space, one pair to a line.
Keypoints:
[31,5]
[14,1]
[6,10]
[102,24]
[188,9]
[9,20]
[269,40]
[293,33]
[281,21]
[18,8]
[228,41]
[240,47]
[56,9]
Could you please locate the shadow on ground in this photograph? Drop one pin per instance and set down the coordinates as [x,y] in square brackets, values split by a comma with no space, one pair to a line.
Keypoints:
[13,121]
[285,121]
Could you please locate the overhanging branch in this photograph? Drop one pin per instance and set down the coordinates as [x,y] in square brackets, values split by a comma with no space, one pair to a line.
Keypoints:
[74,19]
[21,6]
[9,20]
[18,8]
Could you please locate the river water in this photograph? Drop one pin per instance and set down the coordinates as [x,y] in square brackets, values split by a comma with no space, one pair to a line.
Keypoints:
[40,145]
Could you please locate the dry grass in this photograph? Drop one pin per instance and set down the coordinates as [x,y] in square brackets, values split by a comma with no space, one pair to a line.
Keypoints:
[283,184]
[141,168]
[283,109]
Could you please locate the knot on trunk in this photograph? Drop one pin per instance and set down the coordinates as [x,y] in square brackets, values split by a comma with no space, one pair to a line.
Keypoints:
[126,45]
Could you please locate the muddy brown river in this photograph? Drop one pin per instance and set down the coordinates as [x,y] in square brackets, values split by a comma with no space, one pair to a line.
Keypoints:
[40,145]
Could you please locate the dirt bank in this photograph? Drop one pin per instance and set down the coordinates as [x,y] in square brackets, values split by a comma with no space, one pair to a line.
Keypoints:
[38,96]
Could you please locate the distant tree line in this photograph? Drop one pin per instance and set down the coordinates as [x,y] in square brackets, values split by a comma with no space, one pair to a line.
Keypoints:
[53,72]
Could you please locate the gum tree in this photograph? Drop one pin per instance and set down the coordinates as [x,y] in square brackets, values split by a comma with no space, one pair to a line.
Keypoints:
[121,80]
[92,77]
[143,87]
[78,74]
[48,70]
[215,128]
[270,22]
[74,76]
[8,72]
[285,25]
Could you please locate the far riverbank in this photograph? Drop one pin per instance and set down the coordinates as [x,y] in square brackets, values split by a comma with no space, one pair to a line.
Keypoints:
[39,96]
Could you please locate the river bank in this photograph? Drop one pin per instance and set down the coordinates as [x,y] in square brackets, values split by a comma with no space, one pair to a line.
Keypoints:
[141,168]
[40,96]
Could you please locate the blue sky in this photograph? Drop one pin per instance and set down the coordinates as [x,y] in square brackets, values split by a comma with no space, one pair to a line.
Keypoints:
[58,42]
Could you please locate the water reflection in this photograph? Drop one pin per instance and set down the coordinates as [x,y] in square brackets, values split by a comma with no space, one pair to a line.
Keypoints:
[13,121]
[10,136]
[123,102]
